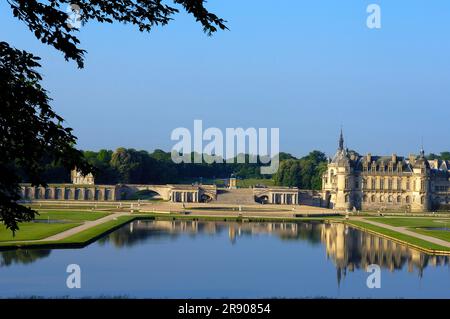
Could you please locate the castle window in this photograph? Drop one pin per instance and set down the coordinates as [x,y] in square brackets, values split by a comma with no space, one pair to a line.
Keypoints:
[408,184]
[399,199]
[408,199]
[373,183]
[346,183]
[381,183]
[390,199]
[399,184]
[373,199]
[422,186]
[390,184]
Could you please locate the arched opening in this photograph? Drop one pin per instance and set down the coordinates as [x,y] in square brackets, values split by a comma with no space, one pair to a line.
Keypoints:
[145,194]
[27,193]
[408,199]
[399,199]
[48,193]
[277,199]
[67,193]
[205,198]
[107,194]
[289,199]
[37,193]
[262,199]
[77,194]
[58,193]
[373,199]
[88,194]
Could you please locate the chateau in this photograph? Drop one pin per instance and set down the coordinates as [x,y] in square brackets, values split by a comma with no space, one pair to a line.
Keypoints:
[355,182]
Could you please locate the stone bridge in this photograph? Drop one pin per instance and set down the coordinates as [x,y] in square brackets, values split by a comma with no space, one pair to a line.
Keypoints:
[174,193]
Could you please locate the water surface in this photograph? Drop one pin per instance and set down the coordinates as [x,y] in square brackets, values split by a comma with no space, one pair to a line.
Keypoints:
[190,259]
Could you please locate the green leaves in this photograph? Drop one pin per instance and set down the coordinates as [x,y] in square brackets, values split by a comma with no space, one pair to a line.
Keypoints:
[29,132]
[305,173]
[48,22]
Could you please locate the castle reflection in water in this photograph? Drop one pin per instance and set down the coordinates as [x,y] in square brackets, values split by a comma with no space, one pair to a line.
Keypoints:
[348,248]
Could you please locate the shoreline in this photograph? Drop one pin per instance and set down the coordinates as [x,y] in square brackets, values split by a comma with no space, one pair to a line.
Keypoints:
[90,234]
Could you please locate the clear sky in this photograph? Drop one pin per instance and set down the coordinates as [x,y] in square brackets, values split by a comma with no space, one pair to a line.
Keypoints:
[306,67]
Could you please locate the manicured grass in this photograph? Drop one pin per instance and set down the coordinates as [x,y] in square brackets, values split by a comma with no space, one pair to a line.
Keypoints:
[396,235]
[70,215]
[98,230]
[412,222]
[37,231]
[34,231]
[75,207]
[440,234]
[244,183]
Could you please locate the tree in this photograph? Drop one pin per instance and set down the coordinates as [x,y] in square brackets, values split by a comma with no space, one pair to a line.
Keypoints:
[30,131]
[305,172]
[49,21]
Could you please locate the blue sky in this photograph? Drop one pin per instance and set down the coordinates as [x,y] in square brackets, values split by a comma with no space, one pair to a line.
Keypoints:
[305,67]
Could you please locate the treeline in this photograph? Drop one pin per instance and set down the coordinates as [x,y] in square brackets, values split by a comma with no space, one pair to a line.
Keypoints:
[142,167]
[305,173]
[442,156]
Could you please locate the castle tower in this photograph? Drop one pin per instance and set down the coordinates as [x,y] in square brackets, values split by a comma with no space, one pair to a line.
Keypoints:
[339,180]
[421,184]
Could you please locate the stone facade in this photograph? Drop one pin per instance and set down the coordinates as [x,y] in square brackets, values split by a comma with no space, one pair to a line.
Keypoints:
[355,182]
[79,179]
[69,192]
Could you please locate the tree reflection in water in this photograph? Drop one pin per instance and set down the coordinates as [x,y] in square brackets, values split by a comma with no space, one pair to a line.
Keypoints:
[22,256]
[348,248]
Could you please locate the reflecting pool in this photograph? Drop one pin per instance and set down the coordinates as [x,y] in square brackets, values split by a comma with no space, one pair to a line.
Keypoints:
[194,259]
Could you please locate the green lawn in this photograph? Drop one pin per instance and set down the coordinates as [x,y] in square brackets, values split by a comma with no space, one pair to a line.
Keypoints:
[98,230]
[412,222]
[396,235]
[34,231]
[440,234]
[70,215]
[244,183]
